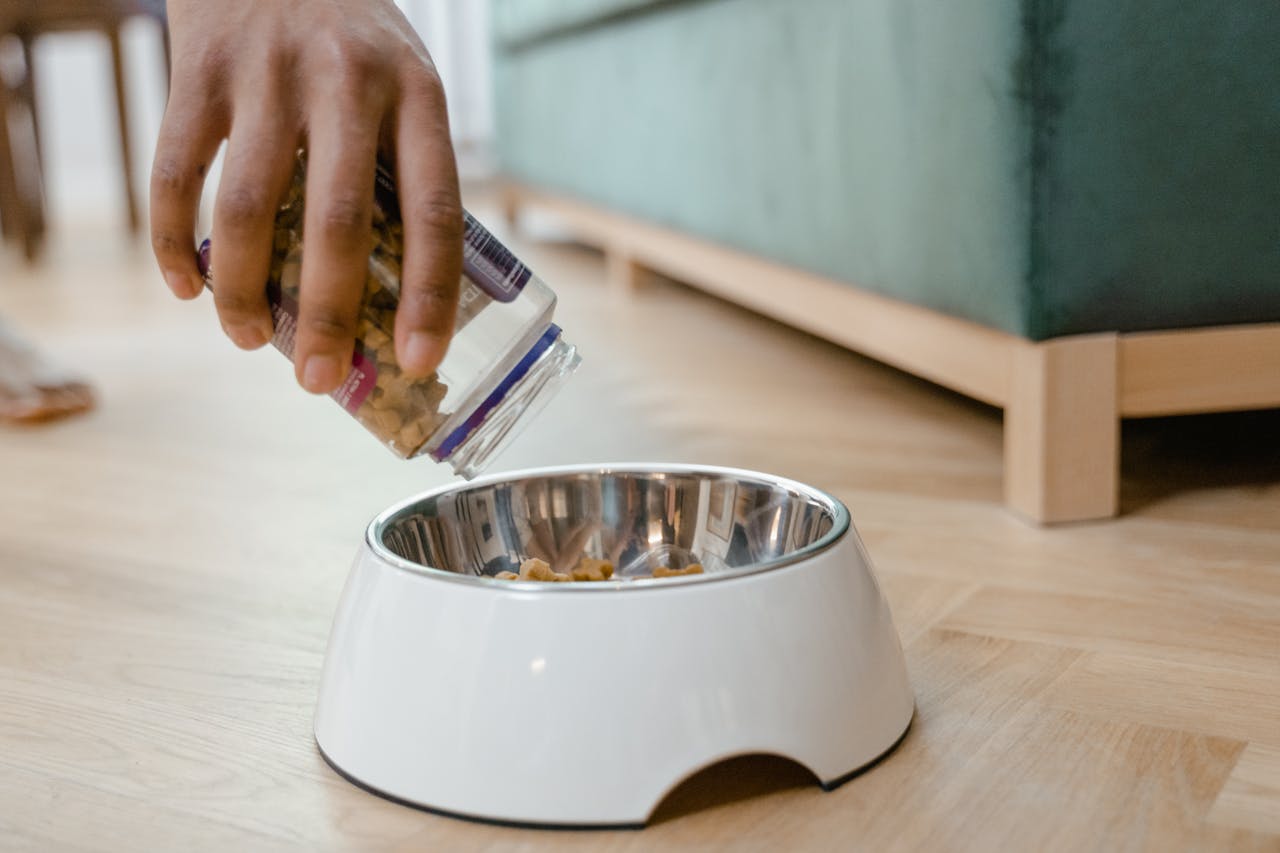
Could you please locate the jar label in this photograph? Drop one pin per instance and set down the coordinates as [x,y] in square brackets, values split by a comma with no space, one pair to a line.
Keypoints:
[362,377]
[488,263]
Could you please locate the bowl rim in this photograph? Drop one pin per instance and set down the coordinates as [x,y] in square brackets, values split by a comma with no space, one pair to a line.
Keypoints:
[841,524]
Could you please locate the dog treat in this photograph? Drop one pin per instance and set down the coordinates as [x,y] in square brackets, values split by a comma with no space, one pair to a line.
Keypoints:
[534,569]
[588,569]
[664,572]
[592,569]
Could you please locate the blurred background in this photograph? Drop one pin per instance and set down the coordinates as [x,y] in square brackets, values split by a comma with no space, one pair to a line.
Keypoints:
[950,189]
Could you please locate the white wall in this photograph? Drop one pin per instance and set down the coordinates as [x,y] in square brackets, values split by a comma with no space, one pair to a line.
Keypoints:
[457,34]
[77,103]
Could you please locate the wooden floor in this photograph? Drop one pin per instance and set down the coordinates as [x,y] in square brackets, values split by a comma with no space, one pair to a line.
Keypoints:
[169,567]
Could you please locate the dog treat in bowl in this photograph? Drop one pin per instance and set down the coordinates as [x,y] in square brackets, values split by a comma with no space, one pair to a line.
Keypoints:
[534,569]
[664,572]
[591,569]
[588,569]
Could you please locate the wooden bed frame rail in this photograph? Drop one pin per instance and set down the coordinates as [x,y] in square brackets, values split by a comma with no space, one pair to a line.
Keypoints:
[1063,398]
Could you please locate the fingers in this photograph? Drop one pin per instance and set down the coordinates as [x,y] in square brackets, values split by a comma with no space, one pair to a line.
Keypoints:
[341,89]
[259,163]
[189,137]
[338,228]
[431,209]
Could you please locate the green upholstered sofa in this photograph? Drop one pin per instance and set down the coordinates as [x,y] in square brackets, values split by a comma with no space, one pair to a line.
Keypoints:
[1038,182]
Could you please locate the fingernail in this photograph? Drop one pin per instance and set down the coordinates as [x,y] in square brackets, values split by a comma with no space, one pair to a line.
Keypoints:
[245,335]
[181,285]
[422,352]
[321,374]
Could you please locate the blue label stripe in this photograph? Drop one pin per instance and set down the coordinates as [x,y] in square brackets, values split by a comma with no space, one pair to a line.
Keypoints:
[482,411]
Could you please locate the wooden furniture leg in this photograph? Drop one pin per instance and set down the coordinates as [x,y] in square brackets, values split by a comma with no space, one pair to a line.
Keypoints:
[37,198]
[623,273]
[509,201]
[1061,429]
[28,90]
[10,210]
[21,189]
[122,114]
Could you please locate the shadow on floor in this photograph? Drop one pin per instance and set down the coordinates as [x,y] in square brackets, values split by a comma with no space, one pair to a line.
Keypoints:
[1162,457]
[734,780]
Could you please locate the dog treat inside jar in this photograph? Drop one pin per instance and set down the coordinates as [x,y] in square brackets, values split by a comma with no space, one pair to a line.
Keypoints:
[506,358]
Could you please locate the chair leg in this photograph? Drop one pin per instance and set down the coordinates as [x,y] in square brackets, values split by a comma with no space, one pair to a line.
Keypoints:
[11,218]
[122,113]
[29,95]
[1061,430]
[509,201]
[37,200]
[21,188]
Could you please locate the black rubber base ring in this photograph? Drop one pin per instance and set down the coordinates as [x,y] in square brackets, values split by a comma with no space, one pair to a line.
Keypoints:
[855,773]
[490,821]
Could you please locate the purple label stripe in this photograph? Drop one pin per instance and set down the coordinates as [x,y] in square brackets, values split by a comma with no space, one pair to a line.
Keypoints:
[202,259]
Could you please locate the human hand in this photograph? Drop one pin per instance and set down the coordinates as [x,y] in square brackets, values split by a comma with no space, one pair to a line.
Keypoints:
[344,79]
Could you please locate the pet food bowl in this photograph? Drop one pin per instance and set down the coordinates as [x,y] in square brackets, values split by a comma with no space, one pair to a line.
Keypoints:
[584,704]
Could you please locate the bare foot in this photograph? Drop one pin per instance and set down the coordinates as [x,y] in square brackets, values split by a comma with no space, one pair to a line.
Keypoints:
[32,390]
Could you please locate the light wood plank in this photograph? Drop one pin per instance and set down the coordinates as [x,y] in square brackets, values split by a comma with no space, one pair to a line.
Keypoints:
[1230,571]
[1184,632]
[1251,797]
[1209,700]
[1156,783]
[918,603]
[34,820]
[1200,370]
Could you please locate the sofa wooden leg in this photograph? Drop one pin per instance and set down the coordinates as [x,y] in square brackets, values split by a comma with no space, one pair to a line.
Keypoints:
[622,271]
[509,200]
[122,115]
[1062,429]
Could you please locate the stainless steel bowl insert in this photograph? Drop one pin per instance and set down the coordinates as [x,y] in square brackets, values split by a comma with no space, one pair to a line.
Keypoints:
[639,517]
